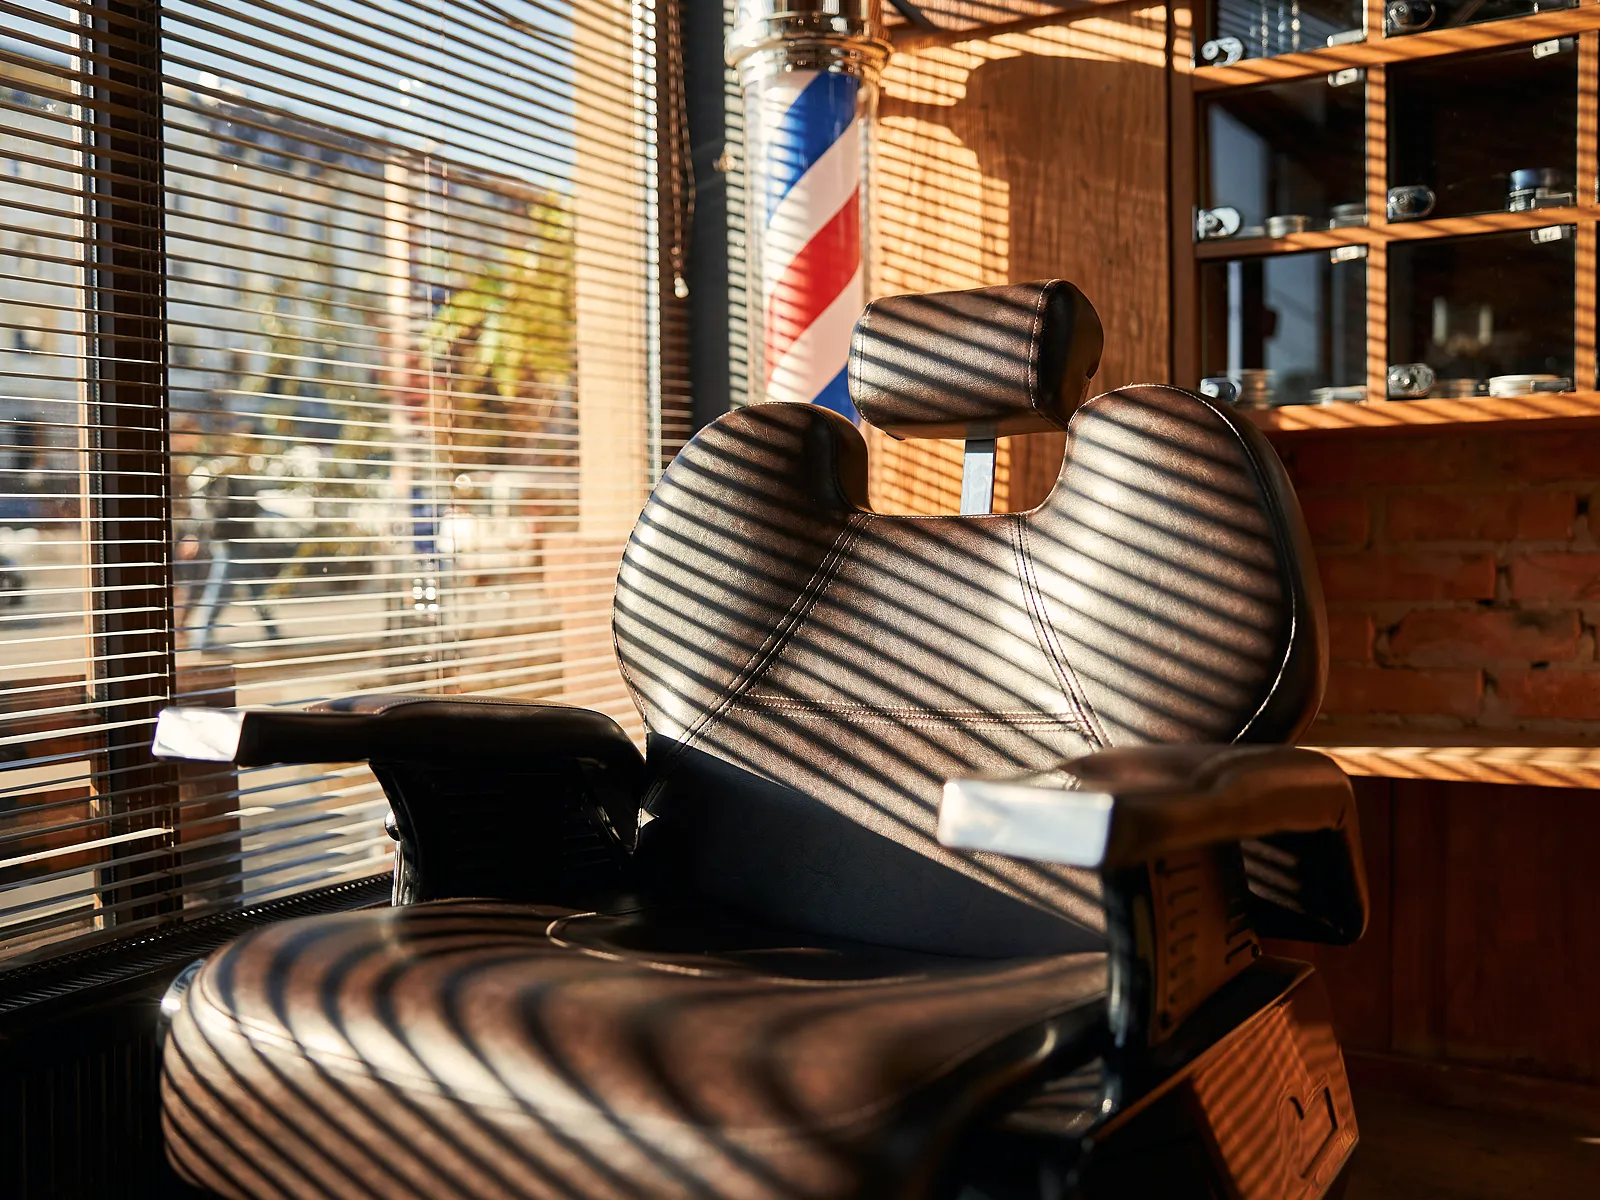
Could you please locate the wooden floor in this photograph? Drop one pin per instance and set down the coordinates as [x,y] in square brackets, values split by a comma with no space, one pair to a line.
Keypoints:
[1415,1151]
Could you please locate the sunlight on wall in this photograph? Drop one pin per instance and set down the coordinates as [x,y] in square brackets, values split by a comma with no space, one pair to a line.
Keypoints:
[938,224]
[965,141]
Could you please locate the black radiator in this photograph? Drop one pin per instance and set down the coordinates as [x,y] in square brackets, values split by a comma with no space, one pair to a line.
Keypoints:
[79,1064]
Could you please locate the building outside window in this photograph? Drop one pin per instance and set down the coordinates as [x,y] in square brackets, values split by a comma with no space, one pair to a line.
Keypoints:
[341,376]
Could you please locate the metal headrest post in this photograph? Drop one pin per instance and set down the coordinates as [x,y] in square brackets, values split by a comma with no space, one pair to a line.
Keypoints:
[977,476]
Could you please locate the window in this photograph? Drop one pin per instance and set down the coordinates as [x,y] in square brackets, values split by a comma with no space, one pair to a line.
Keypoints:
[361,369]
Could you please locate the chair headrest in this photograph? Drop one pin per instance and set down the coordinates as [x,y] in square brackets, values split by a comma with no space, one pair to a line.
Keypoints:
[992,362]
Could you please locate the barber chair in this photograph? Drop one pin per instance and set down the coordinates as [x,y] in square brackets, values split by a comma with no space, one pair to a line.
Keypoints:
[944,872]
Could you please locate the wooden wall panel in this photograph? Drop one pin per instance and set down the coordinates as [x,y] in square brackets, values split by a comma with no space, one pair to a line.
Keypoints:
[1520,939]
[1035,154]
[1484,945]
[1418,894]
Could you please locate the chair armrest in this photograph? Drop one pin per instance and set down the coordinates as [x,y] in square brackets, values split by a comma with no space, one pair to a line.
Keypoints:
[1292,810]
[1200,850]
[490,797]
[389,729]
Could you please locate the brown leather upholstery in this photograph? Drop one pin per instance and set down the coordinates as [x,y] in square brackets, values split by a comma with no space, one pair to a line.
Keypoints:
[492,1051]
[985,363]
[811,672]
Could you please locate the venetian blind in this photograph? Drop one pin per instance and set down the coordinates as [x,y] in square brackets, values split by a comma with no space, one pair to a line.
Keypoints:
[337,355]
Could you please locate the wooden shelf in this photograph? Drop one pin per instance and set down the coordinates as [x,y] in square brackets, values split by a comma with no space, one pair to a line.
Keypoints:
[1192,357]
[1412,414]
[1379,235]
[958,21]
[1383,232]
[1537,766]
[1311,239]
[1377,51]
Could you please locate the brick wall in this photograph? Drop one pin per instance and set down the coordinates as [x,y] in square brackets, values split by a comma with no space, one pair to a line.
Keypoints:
[1462,573]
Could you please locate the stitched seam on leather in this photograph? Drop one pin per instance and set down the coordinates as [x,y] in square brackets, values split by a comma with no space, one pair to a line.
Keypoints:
[635,693]
[1048,639]
[555,932]
[1033,348]
[762,656]
[1045,631]
[763,699]
[822,581]
[838,460]
[863,714]
[1280,539]
[857,340]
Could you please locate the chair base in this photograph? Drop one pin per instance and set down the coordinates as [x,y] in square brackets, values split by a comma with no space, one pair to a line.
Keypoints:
[1261,1112]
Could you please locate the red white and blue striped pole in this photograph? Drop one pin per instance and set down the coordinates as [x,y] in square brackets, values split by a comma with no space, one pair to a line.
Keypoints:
[810,71]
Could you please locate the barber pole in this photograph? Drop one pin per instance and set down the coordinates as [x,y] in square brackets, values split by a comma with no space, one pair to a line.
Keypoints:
[810,70]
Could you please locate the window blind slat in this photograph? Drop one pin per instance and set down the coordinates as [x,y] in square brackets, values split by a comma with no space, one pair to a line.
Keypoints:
[387,281]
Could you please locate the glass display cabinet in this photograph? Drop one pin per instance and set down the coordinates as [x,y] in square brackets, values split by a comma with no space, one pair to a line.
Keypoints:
[1487,132]
[1402,17]
[1263,28]
[1391,225]
[1486,313]
[1288,328]
[1285,157]
[1236,30]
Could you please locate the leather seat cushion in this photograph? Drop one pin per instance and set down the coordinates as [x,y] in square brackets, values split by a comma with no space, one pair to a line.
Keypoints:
[469,1048]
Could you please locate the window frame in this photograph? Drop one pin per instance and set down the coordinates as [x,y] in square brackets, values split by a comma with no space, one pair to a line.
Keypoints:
[126,350]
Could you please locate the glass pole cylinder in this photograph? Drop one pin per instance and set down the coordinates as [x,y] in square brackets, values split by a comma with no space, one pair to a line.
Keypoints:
[809,70]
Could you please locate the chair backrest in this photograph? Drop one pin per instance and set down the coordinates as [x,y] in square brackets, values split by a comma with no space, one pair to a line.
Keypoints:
[812,672]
